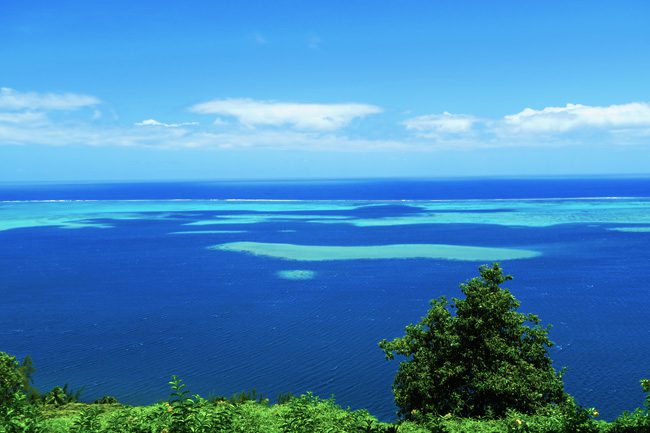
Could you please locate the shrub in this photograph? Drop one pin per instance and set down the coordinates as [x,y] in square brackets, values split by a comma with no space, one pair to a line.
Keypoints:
[59,396]
[87,421]
[107,399]
[285,397]
[17,415]
[195,414]
[151,419]
[11,378]
[310,414]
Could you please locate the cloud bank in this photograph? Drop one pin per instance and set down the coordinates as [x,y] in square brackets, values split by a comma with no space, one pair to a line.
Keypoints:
[576,116]
[572,124]
[12,100]
[60,119]
[320,117]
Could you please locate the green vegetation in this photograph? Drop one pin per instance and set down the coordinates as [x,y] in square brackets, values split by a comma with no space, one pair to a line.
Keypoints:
[472,365]
[480,362]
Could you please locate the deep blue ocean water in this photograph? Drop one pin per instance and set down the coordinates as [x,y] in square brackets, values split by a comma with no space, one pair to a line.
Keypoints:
[388,189]
[108,295]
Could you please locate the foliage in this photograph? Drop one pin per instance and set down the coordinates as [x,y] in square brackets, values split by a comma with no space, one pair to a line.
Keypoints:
[303,414]
[308,413]
[62,395]
[251,395]
[11,378]
[88,421]
[107,399]
[17,415]
[285,397]
[645,384]
[27,370]
[564,418]
[484,360]
[197,415]
[578,419]
[181,408]
[150,419]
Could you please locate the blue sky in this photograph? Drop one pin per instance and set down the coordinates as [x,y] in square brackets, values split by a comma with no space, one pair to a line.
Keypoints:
[123,90]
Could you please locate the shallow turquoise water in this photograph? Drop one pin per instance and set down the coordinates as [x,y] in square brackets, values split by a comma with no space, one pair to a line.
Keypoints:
[529,213]
[312,253]
[296,274]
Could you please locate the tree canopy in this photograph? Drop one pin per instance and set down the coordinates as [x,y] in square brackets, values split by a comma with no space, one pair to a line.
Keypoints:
[476,356]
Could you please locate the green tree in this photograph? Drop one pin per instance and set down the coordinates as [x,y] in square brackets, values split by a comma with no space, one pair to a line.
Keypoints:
[476,356]
[27,369]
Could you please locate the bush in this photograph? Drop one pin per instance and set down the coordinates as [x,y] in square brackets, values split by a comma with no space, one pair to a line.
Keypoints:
[107,399]
[88,421]
[11,378]
[62,395]
[151,419]
[17,415]
[482,361]
[310,414]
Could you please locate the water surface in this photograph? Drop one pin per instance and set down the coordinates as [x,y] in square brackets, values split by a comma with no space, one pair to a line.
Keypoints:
[289,296]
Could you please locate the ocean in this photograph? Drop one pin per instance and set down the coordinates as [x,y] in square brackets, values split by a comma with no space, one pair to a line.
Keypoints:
[289,286]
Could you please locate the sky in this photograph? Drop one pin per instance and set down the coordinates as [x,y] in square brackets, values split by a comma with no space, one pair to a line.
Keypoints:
[153,90]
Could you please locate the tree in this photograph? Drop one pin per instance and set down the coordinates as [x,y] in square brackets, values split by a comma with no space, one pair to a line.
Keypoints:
[477,356]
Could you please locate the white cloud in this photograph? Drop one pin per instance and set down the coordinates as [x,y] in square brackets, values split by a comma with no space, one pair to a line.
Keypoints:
[51,119]
[573,124]
[22,117]
[445,123]
[13,100]
[89,135]
[575,116]
[154,122]
[298,115]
